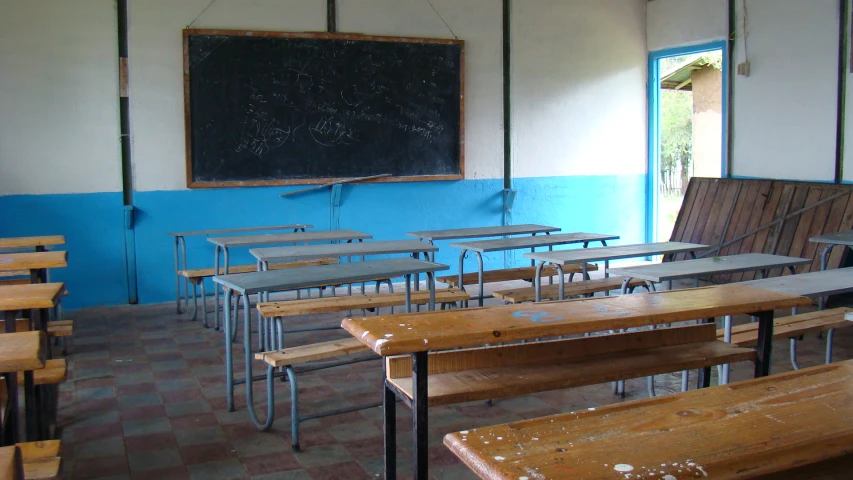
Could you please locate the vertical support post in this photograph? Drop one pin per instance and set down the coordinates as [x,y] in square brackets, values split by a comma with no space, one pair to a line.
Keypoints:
[419,416]
[765,343]
[704,380]
[126,165]
[331,16]
[843,65]
[11,430]
[389,409]
[335,206]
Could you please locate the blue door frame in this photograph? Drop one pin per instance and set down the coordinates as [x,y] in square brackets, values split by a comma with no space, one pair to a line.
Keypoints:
[654,122]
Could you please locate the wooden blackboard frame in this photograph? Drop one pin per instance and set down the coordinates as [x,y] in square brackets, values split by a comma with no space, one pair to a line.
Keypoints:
[191,183]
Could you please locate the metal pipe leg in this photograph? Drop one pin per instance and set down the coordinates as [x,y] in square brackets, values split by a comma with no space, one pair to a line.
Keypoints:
[294,409]
[184,267]
[177,279]
[431,286]
[216,251]
[794,363]
[537,282]
[461,285]
[824,259]
[830,335]
[651,385]
[389,417]
[480,277]
[420,432]
[561,281]
[250,405]
[407,281]
[229,354]
[195,301]
[685,380]
[727,337]
[765,343]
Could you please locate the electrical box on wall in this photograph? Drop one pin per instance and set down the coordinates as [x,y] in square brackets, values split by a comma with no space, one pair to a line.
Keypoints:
[743,69]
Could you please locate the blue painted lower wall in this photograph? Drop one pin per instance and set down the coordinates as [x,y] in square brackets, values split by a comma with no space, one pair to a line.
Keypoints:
[93,223]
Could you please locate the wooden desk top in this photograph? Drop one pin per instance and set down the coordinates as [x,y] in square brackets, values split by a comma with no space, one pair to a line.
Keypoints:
[614,253]
[333,274]
[743,430]
[217,231]
[11,466]
[515,243]
[839,238]
[21,351]
[482,232]
[297,237]
[33,260]
[354,249]
[21,242]
[812,284]
[424,331]
[25,297]
[709,266]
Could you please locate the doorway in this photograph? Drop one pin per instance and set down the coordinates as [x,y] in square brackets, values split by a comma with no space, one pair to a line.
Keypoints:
[687,127]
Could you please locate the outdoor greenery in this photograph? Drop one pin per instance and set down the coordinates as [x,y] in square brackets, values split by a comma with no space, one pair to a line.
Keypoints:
[676,108]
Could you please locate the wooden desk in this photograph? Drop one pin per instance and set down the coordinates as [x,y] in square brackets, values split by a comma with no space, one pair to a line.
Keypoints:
[795,425]
[831,240]
[482,232]
[224,244]
[11,463]
[38,243]
[605,254]
[21,352]
[694,269]
[36,263]
[419,333]
[245,284]
[181,250]
[358,249]
[505,244]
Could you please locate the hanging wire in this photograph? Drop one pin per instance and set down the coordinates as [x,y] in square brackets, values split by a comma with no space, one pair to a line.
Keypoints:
[202,13]
[439,16]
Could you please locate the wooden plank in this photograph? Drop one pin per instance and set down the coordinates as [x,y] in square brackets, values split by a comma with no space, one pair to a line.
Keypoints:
[745,430]
[838,255]
[473,327]
[551,351]
[21,351]
[696,211]
[209,272]
[777,203]
[789,227]
[764,196]
[33,260]
[482,232]
[710,211]
[11,465]
[335,182]
[43,468]
[41,449]
[53,372]
[26,242]
[817,225]
[740,220]
[684,211]
[570,289]
[356,302]
[514,243]
[812,284]
[312,353]
[724,217]
[506,274]
[284,238]
[509,381]
[24,297]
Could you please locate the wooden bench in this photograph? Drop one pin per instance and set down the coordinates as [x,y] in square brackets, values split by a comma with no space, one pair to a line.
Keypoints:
[58,328]
[793,327]
[41,459]
[510,370]
[196,277]
[507,274]
[571,289]
[356,302]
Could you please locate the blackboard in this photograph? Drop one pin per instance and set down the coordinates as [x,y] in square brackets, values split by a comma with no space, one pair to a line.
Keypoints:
[275,108]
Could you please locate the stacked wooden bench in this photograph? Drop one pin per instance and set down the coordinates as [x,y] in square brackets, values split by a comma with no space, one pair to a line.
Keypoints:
[41,460]
[197,276]
[285,359]
[794,327]
[571,289]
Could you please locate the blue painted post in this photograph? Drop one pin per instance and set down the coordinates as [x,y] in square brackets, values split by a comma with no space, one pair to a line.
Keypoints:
[130,255]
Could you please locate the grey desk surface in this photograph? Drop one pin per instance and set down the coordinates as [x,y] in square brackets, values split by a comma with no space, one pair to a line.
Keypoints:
[293,278]
[840,238]
[355,249]
[812,284]
[709,266]
[613,253]
[236,230]
[279,238]
[515,243]
[482,232]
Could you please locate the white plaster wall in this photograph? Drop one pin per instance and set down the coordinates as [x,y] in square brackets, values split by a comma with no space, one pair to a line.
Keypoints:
[847,159]
[785,111]
[579,74]
[59,120]
[156,71]
[479,23]
[677,23]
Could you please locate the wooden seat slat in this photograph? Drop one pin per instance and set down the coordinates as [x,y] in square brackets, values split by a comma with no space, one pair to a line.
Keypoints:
[507,274]
[746,335]
[42,241]
[21,351]
[355,302]
[758,428]
[538,367]
[312,353]
[571,289]
[54,372]
[41,459]
[198,273]
[33,260]
[24,297]
[59,328]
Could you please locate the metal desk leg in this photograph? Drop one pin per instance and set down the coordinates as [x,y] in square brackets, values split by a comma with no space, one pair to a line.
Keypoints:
[177,279]
[389,409]
[824,260]
[765,343]
[479,277]
[561,282]
[537,282]
[408,279]
[30,407]
[460,285]
[229,354]
[184,267]
[727,337]
[11,429]
[704,380]
[431,286]
[216,251]
[419,416]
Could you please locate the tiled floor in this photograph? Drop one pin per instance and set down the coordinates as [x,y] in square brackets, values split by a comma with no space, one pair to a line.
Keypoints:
[145,399]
